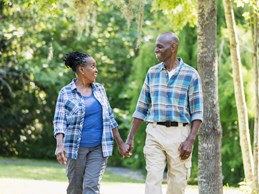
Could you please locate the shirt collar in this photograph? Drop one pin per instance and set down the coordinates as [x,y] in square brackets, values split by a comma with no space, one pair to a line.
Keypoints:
[180,64]
[73,84]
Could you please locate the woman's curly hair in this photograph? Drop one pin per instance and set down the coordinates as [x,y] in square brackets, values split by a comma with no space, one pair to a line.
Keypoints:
[75,59]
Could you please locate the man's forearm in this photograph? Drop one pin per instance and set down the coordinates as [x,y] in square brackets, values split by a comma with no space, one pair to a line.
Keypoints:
[194,130]
[136,123]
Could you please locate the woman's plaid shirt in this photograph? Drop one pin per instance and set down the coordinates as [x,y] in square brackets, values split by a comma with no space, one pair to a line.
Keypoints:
[69,118]
[176,99]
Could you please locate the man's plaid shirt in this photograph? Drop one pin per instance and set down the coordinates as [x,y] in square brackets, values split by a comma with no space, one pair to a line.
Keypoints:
[69,118]
[178,98]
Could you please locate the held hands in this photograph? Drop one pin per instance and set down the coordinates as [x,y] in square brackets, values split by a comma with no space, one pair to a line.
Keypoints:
[130,143]
[61,154]
[125,149]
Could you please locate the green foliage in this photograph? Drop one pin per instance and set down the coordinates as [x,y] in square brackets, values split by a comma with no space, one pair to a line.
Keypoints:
[32,66]
[179,13]
[188,45]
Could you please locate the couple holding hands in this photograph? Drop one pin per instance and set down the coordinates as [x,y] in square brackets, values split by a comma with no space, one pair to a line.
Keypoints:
[170,103]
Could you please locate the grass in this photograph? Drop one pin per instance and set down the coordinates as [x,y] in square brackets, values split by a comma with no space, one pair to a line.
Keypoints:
[45,170]
[14,168]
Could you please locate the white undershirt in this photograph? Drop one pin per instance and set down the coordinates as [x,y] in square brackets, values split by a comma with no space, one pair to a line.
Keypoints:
[171,73]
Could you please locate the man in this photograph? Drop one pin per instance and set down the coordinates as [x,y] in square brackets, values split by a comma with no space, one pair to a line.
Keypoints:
[172,106]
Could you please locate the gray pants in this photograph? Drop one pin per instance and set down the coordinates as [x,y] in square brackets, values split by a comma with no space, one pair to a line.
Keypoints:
[85,173]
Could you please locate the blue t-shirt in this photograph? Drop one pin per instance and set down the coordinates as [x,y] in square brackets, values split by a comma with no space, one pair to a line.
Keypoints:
[93,123]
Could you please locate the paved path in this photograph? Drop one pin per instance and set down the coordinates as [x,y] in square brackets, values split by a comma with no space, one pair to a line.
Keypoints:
[22,186]
[126,172]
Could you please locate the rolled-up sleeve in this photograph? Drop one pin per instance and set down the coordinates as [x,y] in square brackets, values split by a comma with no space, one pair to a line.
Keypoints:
[196,99]
[59,121]
[144,101]
[113,122]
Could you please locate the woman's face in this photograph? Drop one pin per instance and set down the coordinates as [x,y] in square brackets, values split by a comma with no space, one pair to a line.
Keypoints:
[89,70]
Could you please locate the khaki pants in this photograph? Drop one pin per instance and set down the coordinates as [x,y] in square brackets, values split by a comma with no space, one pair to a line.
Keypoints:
[161,148]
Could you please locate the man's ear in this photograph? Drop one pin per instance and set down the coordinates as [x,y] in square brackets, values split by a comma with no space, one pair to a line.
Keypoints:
[174,47]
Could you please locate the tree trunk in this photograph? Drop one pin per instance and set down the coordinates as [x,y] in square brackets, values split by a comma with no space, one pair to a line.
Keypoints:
[256,124]
[239,93]
[210,172]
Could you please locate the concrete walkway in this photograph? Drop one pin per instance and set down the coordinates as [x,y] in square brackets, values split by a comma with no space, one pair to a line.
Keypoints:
[126,172]
[23,186]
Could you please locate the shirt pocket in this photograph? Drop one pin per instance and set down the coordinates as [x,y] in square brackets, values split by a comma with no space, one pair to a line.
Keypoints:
[102,99]
[73,112]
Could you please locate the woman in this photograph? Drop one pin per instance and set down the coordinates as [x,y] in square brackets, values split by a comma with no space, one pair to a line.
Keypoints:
[84,127]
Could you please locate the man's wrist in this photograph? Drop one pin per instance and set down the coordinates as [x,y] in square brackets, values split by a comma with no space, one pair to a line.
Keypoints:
[191,139]
[131,137]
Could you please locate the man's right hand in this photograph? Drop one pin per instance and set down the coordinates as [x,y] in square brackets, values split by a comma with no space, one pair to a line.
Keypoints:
[130,142]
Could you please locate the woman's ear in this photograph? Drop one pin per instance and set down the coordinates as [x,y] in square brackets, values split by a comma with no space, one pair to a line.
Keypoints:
[81,69]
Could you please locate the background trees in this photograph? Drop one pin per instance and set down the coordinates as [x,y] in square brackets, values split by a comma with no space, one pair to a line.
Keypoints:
[33,43]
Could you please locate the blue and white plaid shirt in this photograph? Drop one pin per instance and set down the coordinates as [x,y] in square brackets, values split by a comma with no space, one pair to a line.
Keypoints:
[69,118]
[178,98]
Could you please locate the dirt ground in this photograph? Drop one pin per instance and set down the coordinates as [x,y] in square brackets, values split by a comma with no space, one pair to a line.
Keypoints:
[22,186]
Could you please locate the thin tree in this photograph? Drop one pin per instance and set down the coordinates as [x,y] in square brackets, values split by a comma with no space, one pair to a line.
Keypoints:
[256,123]
[245,141]
[210,172]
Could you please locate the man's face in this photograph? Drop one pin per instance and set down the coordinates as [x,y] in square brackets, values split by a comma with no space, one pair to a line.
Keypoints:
[163,49]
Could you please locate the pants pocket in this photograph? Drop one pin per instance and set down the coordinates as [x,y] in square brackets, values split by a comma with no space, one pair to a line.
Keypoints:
[188,165]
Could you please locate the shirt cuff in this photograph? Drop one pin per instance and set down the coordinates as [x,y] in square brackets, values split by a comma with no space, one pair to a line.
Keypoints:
[139,115]
[58,131]
[197,116]
[114,124]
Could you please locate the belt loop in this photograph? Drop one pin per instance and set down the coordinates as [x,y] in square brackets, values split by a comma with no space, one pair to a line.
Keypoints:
[154,124]
[168,123]
[180,124]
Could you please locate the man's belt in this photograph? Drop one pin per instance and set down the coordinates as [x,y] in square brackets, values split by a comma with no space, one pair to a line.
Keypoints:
[170,123]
